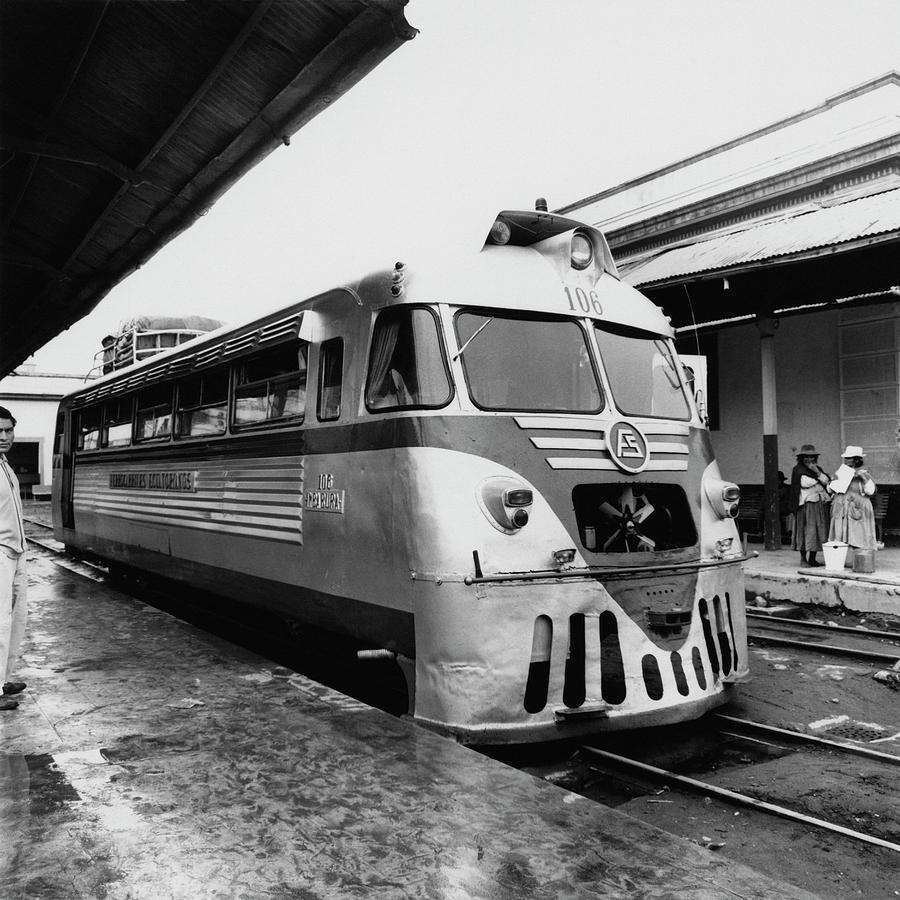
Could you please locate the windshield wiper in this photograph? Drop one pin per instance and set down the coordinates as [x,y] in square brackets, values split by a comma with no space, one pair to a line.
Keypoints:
[669,371]
[461,350]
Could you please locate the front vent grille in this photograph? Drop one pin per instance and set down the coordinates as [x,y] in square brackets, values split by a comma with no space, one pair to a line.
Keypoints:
[716,654]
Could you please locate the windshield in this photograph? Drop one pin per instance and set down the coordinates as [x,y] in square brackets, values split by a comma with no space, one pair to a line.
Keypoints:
[533,364]
[641,370]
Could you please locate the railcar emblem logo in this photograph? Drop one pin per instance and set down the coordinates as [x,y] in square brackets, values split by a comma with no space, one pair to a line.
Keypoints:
[627,447]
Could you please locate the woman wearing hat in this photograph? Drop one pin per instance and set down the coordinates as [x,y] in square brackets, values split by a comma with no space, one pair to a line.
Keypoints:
[852,518]
[808,498]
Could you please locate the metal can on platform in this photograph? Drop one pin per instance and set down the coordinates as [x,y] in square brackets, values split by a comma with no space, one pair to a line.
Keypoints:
[864,561]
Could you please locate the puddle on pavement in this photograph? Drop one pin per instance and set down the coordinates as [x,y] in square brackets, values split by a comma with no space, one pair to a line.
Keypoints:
[32,786]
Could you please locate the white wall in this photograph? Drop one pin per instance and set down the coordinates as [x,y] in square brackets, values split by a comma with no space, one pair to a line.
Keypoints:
[34,399]
[36,421]
[808,393]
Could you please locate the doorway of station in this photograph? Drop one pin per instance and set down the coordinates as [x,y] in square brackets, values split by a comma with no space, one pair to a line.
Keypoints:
[25,459]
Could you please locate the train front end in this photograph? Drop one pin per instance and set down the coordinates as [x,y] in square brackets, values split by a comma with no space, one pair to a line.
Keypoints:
[575,561]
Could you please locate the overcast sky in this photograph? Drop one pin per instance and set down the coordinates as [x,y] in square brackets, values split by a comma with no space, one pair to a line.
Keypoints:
[492,104]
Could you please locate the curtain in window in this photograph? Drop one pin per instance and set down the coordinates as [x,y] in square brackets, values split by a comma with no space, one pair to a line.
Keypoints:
[383,345]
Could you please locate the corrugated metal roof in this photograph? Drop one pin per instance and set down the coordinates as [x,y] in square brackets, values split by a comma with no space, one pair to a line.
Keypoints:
[827,227]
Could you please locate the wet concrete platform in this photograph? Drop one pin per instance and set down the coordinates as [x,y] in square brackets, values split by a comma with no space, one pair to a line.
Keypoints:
[151,760]
[779,575]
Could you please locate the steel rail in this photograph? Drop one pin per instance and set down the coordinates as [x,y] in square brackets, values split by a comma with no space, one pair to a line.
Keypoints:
[848,629]
[72,564]
[774,731]
[741,799]
[836,650]
[39,543]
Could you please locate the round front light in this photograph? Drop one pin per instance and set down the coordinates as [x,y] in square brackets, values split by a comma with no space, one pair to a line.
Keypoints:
[582,251]
[500,232]
[519,518]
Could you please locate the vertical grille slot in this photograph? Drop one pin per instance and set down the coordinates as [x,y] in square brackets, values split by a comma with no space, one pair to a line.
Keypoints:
[538,684]
[574,690]
[734,650]
[697,661]
[722,634]
[678,672]
[708,637]
[612,671]
[652,677]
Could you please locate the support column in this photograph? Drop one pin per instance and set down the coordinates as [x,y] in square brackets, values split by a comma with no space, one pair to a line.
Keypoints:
[772,522]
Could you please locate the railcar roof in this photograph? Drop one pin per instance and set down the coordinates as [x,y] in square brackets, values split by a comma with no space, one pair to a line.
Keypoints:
[514,278]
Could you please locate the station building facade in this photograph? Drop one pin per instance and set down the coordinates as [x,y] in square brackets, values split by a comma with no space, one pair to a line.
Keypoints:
[777,257]
[33,398]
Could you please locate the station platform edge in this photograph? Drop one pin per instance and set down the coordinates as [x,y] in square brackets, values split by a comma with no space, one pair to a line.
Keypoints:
[151,760]
[780,575]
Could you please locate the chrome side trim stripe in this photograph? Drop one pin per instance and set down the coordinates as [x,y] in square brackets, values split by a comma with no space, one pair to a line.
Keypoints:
[559,423]
[563,443]
[665,447]
[569,462]
[667,428]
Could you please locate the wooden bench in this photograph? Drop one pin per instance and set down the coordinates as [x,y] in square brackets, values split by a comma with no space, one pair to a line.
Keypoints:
[880,503]
[41,491]
[751,515]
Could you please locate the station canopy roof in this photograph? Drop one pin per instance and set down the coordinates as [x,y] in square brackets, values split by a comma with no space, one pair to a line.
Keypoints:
[122,122]
[812,231]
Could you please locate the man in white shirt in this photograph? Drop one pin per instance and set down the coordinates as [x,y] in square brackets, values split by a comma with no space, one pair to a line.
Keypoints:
[13,580]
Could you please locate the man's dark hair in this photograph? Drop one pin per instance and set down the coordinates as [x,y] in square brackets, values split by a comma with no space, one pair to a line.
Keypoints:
[6,414]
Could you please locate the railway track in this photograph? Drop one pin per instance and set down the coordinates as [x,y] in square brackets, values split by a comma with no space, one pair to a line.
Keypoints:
[784,741]
[837,640]
[614,761]
[751,786]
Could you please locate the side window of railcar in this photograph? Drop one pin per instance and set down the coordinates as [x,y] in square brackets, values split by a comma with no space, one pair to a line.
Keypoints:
[407,366]
[89,428]
[331,365]
[202,404]
[117,416]
[154,413]
[271,386]
[59,438]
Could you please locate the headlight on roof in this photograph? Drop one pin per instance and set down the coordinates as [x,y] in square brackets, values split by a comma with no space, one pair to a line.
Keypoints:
[500,232]
[582,250]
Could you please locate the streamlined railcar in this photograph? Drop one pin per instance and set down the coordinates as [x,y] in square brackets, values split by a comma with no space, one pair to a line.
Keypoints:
[488,466]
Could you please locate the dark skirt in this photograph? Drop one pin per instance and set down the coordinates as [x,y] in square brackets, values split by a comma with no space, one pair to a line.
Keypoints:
[810,527]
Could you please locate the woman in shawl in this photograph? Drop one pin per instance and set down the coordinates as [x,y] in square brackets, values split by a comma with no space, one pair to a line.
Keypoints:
[852,517]
[809,497]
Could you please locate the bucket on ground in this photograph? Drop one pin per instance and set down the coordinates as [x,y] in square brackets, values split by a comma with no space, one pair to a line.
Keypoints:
[864,561]
[835,553]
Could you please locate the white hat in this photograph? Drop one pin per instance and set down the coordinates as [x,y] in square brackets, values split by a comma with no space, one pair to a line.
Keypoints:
[852,451]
